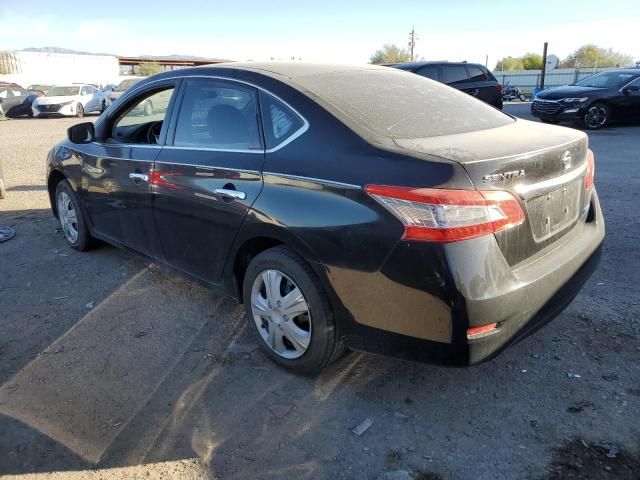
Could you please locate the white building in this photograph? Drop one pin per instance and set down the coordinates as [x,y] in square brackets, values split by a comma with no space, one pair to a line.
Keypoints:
[26,68]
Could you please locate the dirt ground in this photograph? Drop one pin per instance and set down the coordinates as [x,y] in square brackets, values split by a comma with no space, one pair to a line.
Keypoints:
[111,368]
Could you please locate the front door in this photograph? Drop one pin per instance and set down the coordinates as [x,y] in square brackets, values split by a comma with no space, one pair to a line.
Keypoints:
[117,169]
[208,176]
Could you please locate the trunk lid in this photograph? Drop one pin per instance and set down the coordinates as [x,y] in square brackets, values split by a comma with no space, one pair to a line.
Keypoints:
[543,166]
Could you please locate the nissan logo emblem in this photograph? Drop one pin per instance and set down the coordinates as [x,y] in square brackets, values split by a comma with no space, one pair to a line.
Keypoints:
[566,159]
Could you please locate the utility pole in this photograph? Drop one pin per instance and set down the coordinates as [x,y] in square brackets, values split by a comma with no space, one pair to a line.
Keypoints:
[412,40]
[544,65]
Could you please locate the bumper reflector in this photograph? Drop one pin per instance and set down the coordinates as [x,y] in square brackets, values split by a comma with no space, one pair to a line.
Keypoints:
[482,330]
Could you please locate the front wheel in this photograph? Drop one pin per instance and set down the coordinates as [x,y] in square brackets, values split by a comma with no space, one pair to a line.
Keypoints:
[79,111]
[522,97]
[70,216]
[596,116]
[289,311]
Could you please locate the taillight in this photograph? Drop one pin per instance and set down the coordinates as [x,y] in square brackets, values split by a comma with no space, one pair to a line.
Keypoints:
[591,170]
[499,87]
[439,215]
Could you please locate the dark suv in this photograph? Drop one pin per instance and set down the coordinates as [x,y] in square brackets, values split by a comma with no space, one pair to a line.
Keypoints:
[471,78]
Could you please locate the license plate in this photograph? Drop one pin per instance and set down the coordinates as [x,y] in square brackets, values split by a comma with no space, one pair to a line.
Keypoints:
[555,211]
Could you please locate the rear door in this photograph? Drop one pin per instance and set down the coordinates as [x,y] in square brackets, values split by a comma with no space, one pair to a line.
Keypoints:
[209,174]
[487,88]
[456,76]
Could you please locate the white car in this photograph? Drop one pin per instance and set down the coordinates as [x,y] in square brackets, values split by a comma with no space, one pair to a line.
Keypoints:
[70,100]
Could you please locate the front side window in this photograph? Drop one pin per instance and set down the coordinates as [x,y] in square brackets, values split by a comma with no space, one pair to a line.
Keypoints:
[454,74]
[142,119]
[5,93]
[279,121]
[218,115]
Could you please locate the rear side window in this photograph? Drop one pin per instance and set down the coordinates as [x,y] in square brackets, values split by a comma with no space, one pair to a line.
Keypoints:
[453,74]
[218,115]
[279,122]
[476,74]
[430,71]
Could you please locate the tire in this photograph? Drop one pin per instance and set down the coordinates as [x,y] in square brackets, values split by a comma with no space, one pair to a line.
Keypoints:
[79,111]
[596,117]
[65,200]
[522,97]
[103,107]
[321,346]
[552,122]
[148,109]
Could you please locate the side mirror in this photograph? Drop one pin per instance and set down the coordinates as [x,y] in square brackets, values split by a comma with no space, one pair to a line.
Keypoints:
[82,133]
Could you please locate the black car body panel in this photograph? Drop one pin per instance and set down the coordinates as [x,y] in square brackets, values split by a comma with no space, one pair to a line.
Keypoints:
[470,78]
[561,103]
[203,211]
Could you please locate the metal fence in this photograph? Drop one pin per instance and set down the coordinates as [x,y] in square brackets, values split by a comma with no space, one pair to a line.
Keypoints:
[527,80]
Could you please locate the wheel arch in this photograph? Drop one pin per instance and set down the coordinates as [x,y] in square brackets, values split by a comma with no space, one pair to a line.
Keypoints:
[255,239]
[54,178]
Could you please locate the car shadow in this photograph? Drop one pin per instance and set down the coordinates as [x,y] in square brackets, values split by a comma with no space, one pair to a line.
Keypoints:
[110,364]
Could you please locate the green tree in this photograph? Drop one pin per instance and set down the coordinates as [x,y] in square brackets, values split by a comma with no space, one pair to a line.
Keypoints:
[147,69]
[531,61]
[390,54]
[589,56]
[509,63]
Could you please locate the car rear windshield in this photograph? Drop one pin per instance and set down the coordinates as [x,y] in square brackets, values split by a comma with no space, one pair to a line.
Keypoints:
[396,104]
[63,91]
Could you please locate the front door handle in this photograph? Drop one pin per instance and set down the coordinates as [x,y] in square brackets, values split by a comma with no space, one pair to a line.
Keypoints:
[230,194]
[139,177]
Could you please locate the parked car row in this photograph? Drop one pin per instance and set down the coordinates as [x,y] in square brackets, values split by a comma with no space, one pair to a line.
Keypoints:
[73,99]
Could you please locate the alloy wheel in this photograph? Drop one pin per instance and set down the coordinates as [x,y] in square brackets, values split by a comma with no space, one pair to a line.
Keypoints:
[68,217]
[281,314]
[596,116]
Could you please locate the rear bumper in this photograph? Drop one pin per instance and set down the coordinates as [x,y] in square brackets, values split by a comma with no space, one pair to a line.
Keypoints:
[429,295]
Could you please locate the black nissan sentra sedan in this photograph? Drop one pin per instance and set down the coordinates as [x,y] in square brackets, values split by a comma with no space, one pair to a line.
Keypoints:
[345,206]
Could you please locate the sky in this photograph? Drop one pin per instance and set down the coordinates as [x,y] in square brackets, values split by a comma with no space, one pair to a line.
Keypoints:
[337,31]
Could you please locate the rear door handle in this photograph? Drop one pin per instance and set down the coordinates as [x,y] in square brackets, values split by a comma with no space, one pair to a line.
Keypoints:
[230,194]
[139,177]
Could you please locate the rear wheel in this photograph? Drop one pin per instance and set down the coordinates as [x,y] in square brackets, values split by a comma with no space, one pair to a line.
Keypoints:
[70,216]
[547,120]
[289,311]
[79,111]
[596,116]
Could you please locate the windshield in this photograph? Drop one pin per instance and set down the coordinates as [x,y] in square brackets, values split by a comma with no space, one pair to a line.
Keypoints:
[396,104]
[606,80]
[126,84]
[63,91]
